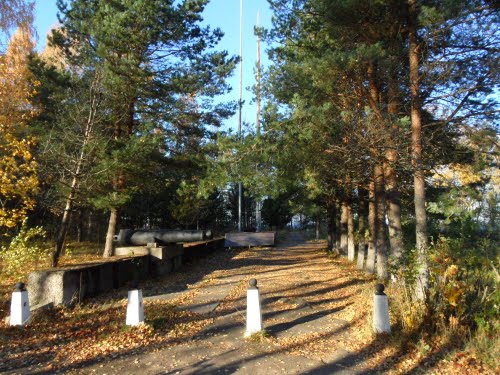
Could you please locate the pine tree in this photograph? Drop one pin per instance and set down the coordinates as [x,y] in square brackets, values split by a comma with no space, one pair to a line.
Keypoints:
[152,54]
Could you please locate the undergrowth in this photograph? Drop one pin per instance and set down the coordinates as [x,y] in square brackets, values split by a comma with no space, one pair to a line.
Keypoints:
[461,308]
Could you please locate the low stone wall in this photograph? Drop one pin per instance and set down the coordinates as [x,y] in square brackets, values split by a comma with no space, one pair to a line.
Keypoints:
[71,284]
[203,248]
[67,285]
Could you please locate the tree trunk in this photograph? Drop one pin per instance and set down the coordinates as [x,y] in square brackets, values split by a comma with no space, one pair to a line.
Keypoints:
[63,228]
[338,228]
[422,243]
[112,225]
[380,222]
[393,209]
[332,228]
[317,227]
[351,252]
[90,226]
[391,179]
[372,239]
[377,212]
[343,227]
[361,228]
[258,215]
[79,227]
[330,234]
[119,182]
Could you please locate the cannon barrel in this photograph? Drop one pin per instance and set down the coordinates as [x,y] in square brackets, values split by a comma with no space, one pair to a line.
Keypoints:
[143,237]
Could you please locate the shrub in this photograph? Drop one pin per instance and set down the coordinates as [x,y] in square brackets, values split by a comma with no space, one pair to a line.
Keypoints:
[24,248]
[463,298]
[462,285]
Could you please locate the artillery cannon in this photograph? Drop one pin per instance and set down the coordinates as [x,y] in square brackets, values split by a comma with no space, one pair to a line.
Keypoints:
[127,237]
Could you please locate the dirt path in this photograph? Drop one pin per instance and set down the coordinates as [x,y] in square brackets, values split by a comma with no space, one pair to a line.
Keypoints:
[317,313]
[312,314]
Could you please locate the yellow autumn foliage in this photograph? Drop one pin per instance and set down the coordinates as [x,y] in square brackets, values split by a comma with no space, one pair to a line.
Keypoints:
[54,56]
[18,179]
[453,174]
[454,292]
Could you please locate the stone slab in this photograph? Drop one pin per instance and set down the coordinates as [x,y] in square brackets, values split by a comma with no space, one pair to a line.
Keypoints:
[131,251]
[248,239]
[156,253]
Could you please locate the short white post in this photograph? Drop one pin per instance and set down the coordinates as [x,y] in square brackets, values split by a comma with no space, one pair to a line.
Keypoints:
[381,321]
[19,306]
[254,312]
[135,308]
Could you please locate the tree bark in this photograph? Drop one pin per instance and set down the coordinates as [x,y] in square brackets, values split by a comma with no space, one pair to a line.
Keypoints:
[380,222]
[393,209]
[332,230]
[338,229]
[361,228]
[79,227]
[391,179]
[63,228]
[330,233]
[374,217]
[351,252]
[380,227]
[112,224]
[372,227]
[343,227]
[422,243]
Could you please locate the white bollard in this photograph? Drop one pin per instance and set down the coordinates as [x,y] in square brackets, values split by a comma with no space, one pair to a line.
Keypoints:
[19,306]
[254,312]
[381,321]
[135,308]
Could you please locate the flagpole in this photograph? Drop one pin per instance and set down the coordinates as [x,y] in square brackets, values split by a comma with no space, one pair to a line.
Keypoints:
[258,203]
[240,187]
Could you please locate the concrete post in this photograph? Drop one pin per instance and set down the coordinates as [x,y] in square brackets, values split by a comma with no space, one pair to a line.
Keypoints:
[254,311]
[135,308]
[381,321]
[19,306]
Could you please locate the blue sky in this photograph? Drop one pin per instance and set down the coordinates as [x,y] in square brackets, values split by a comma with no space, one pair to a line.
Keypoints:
[224,14]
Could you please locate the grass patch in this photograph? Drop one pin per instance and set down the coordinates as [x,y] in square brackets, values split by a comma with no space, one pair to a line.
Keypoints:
[259,336]
[485,343]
